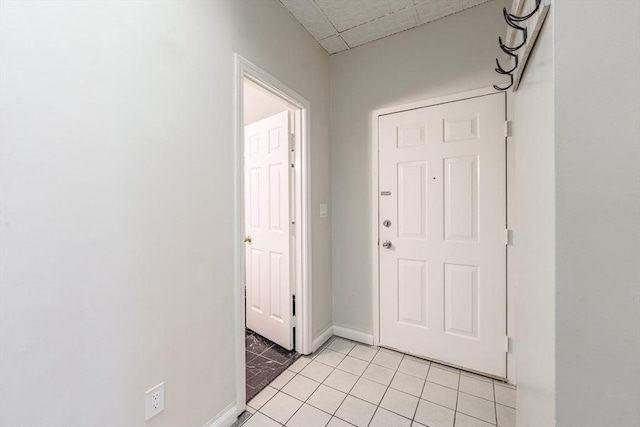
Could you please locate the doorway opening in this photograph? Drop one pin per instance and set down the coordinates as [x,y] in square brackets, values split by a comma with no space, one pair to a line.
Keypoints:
[268,185]
[273,244]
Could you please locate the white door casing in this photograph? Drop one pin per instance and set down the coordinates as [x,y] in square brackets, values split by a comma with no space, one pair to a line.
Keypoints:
[442,283]
[267,225]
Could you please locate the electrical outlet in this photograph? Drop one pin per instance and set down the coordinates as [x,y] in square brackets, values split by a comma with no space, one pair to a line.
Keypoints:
[154,401]
[324,210]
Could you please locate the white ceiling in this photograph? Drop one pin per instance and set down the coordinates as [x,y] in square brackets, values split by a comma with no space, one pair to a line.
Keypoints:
[344,24]
[260,104]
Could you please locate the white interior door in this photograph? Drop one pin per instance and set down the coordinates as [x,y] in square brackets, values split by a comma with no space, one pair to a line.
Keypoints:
[267,217]
[442,181]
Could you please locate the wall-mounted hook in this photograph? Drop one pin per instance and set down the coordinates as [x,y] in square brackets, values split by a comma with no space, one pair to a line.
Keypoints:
[501,70]
[504,47]
[505,88]
[515,26]
[527,16]
[512,21]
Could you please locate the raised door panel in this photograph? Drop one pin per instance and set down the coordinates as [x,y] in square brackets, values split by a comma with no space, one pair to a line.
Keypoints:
[254,272]
[412,292]
[276,286]
[412,200]
[461,199]
[275,197]
[461,128]
[461,300]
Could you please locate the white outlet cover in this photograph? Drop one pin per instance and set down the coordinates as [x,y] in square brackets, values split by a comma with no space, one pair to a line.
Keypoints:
[324,210]
[154,401]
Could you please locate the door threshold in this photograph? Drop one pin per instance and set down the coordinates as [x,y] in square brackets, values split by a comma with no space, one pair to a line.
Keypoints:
[447,365]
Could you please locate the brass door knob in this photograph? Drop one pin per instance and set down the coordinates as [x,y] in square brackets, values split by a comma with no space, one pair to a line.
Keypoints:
[247,239]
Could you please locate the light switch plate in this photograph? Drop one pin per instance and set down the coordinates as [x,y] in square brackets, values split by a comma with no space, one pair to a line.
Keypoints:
[324,210]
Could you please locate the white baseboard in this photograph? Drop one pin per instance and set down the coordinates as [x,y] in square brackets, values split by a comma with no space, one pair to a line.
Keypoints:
[324,336]
[353,334]
[226,418]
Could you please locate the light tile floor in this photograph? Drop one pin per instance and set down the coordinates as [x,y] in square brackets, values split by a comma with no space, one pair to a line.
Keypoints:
[349,384]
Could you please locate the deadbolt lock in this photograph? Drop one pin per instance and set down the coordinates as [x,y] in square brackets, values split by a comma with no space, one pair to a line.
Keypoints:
[386,223]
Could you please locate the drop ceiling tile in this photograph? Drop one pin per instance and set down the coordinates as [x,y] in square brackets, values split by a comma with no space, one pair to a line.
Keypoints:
[311,18]
[344,14]
[360,35]
[405,19]
[396,5]
[427,11]
[395,23]
[376,8]
[447,7]
[334,44]
[466,4]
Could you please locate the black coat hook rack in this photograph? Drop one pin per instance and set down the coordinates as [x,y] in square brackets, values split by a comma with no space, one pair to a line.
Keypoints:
[519,24]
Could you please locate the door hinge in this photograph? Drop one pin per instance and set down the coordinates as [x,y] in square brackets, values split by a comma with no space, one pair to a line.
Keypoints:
[294,318]
[507,236]
[506,344]
[292,142]
[508,128]
[292,229]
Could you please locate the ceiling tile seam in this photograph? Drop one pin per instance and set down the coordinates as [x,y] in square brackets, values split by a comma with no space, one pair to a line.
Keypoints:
[319,9]
[375,20]
[300,23]
[402,31]
[307,31]
[417,23]
[415,13]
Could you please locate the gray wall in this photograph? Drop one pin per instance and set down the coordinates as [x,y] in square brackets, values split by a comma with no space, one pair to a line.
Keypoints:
[532,219]
[117,202]
[597,113]
[447,56]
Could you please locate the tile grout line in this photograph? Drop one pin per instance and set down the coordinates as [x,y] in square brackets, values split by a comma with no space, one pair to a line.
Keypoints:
[422,392]
[455,413]
[495,404]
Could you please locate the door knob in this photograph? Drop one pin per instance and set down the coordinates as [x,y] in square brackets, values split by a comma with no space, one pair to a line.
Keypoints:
[247,239]
[386,244]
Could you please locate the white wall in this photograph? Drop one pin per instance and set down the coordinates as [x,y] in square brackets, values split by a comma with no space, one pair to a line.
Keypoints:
[116,219]
[597,115]
[448,56]
[532,219]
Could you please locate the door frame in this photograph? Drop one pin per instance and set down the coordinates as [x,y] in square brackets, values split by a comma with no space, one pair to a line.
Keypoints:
[375,215]
[302,177]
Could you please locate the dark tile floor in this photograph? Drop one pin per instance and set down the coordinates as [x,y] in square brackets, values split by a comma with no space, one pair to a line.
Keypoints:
[265,361]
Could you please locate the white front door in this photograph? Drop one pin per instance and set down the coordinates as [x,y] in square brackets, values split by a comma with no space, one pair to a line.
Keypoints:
[267,224]
[442,185]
